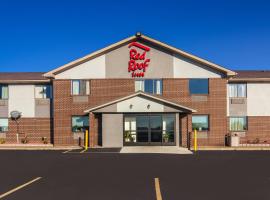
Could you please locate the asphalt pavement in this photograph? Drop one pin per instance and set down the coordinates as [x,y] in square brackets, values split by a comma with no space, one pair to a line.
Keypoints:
[213,175]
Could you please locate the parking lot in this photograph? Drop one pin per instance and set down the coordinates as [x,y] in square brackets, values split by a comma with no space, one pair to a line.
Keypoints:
[112,176]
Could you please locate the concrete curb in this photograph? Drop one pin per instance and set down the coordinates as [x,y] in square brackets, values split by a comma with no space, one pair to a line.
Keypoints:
[37,147]
[233,148]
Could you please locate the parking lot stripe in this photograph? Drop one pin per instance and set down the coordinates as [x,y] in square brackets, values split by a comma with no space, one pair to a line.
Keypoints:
[83,151]
[157,187]
[67,151]
[19,187]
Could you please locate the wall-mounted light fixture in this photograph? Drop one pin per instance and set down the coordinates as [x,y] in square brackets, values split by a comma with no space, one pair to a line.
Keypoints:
[130,106]
[148,106]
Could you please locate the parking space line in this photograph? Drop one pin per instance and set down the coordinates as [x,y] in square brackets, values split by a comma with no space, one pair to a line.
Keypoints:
[19,187]
[83,151]
[67,151]
[157,187]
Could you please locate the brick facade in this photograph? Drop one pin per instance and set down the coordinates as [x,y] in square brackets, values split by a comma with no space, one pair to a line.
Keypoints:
[214,105]
[32,128]
[258,130]
[104,90]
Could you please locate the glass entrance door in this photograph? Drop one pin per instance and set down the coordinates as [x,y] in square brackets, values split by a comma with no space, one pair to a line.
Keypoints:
[155,129]
[149,129]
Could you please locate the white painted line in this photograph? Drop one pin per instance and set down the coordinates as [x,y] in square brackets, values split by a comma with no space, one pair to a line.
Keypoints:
[19,187]
[157,187]
[68,151]
[83,151]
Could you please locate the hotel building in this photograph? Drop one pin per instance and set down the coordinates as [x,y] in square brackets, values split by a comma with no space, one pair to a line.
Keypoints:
[138,91]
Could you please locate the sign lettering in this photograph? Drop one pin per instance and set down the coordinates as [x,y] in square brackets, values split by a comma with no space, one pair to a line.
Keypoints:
[137,61]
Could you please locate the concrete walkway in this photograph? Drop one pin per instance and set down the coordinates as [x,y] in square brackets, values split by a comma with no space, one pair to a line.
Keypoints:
[35,147]
[156,149]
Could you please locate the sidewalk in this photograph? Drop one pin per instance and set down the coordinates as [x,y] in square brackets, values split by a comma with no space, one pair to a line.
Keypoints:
[35,147]
[155,149]
[240,148]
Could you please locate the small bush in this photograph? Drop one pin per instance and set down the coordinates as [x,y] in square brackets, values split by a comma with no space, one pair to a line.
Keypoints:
[2,141]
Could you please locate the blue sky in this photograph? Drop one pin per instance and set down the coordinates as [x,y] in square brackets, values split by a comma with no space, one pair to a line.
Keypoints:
[42,35]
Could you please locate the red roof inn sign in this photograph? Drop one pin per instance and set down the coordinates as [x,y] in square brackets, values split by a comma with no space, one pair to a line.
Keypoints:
[137,61]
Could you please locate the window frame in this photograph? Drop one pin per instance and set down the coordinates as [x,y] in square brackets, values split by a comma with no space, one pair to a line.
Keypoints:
[237,96]
[204,94]
[7,125]
[154,87]
[246,120]
[75,132]
[208,122]
[43,94]
[2,85]
[87,89]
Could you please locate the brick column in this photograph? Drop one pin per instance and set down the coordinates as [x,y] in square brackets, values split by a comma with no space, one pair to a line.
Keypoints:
[185,122]
[93,132]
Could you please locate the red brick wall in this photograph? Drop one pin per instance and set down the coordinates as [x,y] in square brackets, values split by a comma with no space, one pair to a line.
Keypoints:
[33,128]
[104,90]
[177,90]
[258,128]
[185,127]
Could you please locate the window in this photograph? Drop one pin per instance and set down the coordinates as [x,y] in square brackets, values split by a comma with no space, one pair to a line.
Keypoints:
[237,90]
[200,122]
[80,123]
[149,86]
[168,126]
[43,92]
[130,129]
[238,123]
[80,87]
[3,91]
[3,124]
[198,86]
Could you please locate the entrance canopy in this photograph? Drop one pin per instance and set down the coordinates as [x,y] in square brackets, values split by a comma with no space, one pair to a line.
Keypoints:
[140,102]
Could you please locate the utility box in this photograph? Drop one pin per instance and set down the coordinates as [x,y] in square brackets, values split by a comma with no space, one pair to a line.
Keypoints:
[234,141]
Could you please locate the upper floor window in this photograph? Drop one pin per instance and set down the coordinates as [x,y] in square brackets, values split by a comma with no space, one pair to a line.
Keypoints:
[3,124]
[198,86]
[80,87]
[153,86]
[200,122]
[238,123]
[238,90]
[3,91]
[43,91]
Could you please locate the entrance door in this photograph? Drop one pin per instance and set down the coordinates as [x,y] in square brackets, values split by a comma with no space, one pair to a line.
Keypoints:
[149,129]
[155,129]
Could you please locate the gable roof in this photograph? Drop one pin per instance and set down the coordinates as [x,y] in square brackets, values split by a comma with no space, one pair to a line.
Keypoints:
[140,93]
[143,38]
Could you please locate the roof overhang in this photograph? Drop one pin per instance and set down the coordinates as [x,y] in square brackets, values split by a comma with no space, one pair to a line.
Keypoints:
[253,80]
[141,37]
[142,94]
[25,81]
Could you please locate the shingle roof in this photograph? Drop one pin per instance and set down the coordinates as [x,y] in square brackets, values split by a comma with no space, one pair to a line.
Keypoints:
[19,76]
[242,74]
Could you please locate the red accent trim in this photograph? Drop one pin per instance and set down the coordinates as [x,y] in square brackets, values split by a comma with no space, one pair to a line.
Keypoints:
[139,46]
